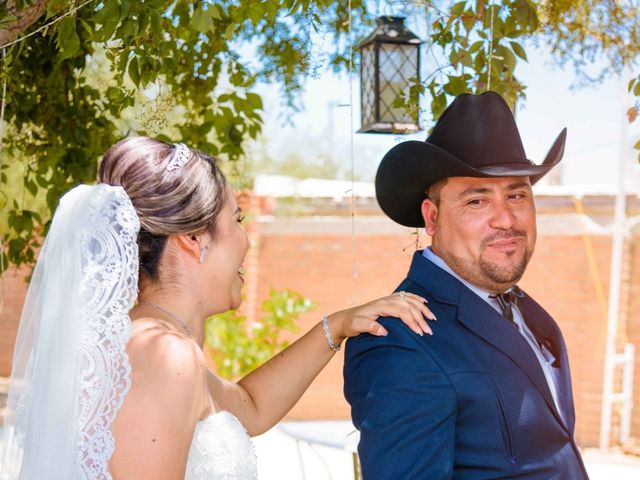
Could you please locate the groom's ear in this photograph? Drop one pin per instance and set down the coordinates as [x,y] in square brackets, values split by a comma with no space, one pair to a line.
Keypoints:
[429,211]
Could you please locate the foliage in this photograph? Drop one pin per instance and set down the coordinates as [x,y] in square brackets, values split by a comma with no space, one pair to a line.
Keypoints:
[180,68]
[479,45]
[186,70]
[237,351]
[582,32]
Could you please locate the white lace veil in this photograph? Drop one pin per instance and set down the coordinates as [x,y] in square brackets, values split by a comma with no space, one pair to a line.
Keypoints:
[70,369]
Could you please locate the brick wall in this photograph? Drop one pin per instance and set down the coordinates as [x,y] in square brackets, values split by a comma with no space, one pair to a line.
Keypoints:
[13,289]
[633,330]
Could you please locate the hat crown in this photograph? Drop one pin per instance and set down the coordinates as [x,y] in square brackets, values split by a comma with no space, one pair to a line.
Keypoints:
[480,130]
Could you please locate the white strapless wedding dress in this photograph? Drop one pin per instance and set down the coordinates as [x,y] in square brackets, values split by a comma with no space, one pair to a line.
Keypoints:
[221,450]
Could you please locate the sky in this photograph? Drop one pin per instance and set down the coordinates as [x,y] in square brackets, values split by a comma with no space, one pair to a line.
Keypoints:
[594,116]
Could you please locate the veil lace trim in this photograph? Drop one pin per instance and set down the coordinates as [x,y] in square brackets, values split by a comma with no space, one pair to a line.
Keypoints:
[108,290]
[70,369]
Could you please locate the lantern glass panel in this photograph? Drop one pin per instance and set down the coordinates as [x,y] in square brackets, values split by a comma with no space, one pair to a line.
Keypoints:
[398,64]
[368,85]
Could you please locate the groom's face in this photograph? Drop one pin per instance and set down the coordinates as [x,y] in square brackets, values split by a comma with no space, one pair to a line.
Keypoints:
[483,228]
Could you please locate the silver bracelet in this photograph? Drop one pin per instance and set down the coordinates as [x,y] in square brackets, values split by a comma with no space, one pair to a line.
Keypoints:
[327,333]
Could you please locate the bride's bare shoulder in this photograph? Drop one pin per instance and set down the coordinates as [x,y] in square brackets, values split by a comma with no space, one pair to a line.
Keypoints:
[156,349]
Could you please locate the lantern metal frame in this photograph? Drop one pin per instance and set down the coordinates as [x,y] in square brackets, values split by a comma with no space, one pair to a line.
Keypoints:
[392,33]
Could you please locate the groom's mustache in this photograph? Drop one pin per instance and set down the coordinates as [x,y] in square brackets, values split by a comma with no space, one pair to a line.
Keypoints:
[503,235]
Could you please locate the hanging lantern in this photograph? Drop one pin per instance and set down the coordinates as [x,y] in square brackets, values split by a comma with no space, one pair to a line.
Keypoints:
[390,58]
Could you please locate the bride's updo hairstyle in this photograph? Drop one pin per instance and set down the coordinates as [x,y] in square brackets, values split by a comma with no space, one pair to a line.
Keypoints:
[185,200]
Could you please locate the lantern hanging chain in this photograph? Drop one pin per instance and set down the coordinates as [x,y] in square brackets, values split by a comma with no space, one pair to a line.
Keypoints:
[491,9]
[2,104]
[354,270]
[47,25]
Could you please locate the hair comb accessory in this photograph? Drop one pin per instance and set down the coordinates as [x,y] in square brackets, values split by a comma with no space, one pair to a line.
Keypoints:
[180,157]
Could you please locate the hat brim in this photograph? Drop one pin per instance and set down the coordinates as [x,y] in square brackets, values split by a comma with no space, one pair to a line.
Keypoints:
[409,168]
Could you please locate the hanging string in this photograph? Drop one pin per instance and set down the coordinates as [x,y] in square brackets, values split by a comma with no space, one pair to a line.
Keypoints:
[354,269]
[44,27]
[2,104]
[491,9]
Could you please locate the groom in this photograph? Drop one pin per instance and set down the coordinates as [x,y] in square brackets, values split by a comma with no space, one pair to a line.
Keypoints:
[489,395]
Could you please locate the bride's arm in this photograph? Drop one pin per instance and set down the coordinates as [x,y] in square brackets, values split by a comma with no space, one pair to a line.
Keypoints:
[264,396]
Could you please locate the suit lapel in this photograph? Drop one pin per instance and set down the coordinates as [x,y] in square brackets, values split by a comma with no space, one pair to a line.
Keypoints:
[545,329]
[478,316]
[481,319]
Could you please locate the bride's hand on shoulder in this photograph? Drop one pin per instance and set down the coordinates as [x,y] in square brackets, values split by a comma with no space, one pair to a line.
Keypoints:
[408,307]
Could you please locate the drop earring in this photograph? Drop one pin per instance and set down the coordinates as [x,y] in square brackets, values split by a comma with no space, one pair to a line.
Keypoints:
[203,253]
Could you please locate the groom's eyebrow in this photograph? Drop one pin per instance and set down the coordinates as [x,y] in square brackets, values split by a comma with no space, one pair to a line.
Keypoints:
[481,190]
[474,191]
[516,185]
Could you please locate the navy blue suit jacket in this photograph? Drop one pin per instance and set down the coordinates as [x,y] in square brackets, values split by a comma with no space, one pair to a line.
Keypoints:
[469,402]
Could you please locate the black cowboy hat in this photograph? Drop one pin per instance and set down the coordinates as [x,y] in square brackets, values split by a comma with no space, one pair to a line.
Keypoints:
[476,136]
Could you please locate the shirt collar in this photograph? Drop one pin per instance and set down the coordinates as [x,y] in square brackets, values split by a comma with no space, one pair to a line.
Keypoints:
[484,295]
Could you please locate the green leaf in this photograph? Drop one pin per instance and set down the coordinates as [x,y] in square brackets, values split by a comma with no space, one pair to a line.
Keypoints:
[202,20]
[87,28]
[54,7]
[454,57]
[31,186]
[509,59]
[468,21]
[229,31]
[457,8]
[128,28]
[438,104]
[631,83]
[637,145]
[480,61]
[476,46]
[156,22]
[519,51]
[466,60]
[636,89]
[8,19]
[215,11]
[134,72]
[456,85]
[125,8]
[255,13]
[254,100]
[107,30]
[67,38]
[122,62]
[273,9]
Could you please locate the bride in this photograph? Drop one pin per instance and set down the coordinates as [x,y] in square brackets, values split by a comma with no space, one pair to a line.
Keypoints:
[104,389]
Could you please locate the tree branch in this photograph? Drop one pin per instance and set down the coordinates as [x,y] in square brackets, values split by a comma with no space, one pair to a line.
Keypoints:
[24,19]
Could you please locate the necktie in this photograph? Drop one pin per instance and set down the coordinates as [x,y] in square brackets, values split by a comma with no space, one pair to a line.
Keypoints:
[507,301]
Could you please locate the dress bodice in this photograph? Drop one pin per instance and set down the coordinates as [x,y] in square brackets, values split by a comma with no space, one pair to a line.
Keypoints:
[221,450]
